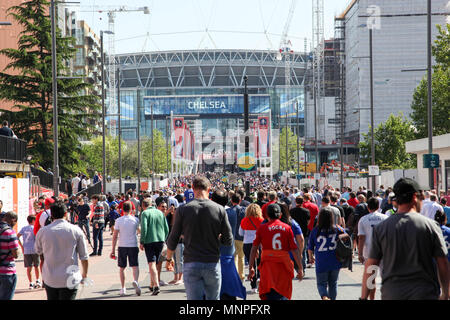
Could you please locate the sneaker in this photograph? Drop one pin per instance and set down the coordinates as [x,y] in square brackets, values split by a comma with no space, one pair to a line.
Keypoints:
[31,286]
[155,291]
[93,254]
[137,288]
[255,291]
[38,284]
[123,292]
[150,289]
[162,283]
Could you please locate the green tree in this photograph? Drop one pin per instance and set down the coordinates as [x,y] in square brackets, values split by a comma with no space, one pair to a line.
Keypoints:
[441,90]
[92,155]
[390,150]
[29,86]
[292,150]
[160,154]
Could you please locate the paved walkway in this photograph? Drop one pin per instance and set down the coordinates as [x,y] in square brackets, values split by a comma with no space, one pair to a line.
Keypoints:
[106,284]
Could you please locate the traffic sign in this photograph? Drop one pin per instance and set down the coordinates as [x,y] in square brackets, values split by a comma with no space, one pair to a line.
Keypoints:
[374,171]
[430,161]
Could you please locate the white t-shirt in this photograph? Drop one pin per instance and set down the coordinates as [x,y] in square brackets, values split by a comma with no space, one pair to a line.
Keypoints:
[365,228]
[127,227]
[429,210]
[75,183]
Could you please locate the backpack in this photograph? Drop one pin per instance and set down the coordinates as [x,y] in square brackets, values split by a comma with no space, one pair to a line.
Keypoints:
[48,220]
[344,247]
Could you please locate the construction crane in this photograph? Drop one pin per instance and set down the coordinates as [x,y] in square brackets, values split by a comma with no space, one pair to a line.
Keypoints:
[112,11]
[286,51]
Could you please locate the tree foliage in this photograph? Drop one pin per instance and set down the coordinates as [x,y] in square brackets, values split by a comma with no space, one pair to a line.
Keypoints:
[390,150]
[93,155]
[27,82]
[441,90]
[291,152]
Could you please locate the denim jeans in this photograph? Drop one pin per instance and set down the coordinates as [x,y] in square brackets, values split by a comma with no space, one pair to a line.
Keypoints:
[305,253]
[178,258]
[202,280]
[327,283]
[85,224]
[7,286]
[97,234]
[273,295]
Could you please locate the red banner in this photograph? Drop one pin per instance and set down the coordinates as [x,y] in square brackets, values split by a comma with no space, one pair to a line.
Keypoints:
[264,137]
[178,142]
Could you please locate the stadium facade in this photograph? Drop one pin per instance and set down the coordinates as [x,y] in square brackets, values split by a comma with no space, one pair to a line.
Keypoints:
[206,86]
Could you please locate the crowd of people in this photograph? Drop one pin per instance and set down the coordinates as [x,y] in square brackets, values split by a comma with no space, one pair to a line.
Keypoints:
[206,230]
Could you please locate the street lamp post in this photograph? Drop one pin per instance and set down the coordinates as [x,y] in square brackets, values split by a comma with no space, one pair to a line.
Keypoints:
[55,103]
[298,148]
[103,106]
[120,130]
[138,133]
[153,149]
[246,125]
[371,107]
[341,123]
[430,91]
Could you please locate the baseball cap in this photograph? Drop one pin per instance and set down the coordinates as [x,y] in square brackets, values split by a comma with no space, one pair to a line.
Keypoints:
[405,186]
[273,210]
[49,201]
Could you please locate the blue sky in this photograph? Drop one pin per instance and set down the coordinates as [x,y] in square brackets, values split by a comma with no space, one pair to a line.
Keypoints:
[232,24]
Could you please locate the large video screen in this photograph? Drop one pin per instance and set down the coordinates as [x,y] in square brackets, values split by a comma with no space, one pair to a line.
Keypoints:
[213,104]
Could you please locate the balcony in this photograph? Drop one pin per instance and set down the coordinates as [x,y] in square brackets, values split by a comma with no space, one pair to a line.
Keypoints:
[12,150]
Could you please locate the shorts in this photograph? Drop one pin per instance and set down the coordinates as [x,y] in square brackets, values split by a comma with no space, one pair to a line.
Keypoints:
[132,254]
[112,223]
[153,251]
[31,260]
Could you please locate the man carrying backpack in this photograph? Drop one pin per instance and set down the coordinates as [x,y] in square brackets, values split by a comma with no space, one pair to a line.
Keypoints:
[45,217]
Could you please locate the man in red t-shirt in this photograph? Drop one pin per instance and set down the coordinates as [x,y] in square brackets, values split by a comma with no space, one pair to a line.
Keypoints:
[120,206]
[272,196]
[276,267]
[312,208]
[353,201]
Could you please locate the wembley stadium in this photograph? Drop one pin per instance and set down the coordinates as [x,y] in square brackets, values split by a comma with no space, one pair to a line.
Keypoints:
[206,87]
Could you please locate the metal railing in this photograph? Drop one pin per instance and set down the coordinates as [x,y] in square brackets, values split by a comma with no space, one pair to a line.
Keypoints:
[45,178]
[94,189]
[12,149]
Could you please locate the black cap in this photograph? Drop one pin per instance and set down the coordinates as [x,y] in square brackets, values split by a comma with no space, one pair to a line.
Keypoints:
[406,186]
[273,210]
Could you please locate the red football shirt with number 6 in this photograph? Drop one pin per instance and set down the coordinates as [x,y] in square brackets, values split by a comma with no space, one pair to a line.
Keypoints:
[275,235]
